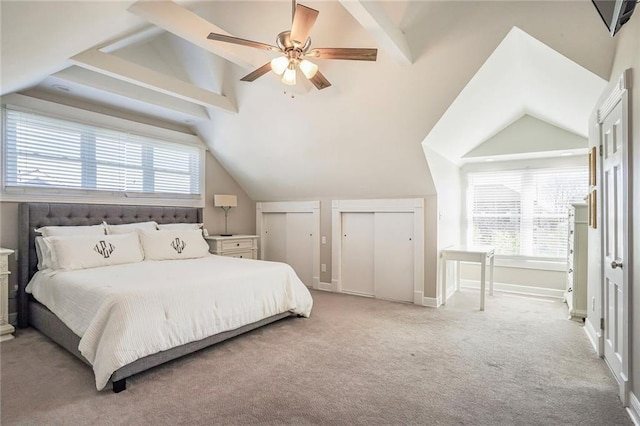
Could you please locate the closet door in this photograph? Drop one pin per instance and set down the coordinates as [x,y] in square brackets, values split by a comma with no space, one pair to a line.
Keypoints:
[394,265]
[299,242]
[357,253]
[275,237]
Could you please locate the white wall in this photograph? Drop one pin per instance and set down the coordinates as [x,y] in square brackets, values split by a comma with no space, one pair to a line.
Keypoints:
[446,177]
[627,56]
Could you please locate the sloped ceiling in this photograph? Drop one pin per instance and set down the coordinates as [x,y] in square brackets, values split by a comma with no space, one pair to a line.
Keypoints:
[359,138]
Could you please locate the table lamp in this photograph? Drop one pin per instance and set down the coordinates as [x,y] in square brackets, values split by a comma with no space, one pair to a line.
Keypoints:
[225,202]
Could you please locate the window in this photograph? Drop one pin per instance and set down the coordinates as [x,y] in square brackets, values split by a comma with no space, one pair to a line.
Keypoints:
[43,154]
[524,212]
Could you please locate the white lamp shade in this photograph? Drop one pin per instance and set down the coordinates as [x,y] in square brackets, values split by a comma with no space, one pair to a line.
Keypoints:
[308,68]
[289,76]
[222,200]
[279,64]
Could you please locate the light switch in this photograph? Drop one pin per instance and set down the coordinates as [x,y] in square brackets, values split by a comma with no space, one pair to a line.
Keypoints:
[323,267]
[324,240]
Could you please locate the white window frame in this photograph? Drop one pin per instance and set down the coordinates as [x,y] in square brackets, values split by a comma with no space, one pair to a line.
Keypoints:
[516,261]
[65,112]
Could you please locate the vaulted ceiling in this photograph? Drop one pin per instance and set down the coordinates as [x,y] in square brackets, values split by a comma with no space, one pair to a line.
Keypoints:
[361,137]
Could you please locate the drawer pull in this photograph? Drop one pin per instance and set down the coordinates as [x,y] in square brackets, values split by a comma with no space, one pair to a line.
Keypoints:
[570,270]
[237,244]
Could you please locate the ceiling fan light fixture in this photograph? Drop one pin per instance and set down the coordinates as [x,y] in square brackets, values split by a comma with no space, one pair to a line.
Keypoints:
[308,68]
[279,64]
[289,76]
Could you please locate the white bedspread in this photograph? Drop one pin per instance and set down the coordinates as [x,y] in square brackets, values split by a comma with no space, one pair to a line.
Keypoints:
[125,312]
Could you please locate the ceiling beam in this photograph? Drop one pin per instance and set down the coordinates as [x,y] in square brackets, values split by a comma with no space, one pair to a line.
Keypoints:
[187,25]
[131,39]
[111,65]
[373,18]
[118,87]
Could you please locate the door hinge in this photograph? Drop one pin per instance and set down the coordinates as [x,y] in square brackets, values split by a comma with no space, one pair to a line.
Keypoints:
[601,323]
[600,149]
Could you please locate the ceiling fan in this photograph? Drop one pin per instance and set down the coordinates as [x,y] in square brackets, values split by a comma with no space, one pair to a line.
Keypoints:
[295,45]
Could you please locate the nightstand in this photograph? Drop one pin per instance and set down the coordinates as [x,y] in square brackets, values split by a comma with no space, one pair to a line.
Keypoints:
[6,329]
[243,246]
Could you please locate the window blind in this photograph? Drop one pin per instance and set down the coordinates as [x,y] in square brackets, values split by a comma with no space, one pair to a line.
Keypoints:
[524,212]
[45,152]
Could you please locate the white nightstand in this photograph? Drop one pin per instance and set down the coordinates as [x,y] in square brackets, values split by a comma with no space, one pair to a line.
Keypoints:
[244,246]
[6,329]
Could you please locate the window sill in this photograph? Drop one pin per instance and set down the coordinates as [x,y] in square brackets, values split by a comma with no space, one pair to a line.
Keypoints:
[523,262]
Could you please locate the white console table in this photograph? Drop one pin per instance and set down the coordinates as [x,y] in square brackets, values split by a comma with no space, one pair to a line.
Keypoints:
[6,329]
[478,254]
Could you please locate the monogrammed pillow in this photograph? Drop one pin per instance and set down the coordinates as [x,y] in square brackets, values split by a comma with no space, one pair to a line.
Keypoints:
[88,251]
[130,227]
[173,244]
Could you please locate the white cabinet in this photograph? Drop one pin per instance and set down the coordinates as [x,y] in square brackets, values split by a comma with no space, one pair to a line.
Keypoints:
[377,256]
[290,237]
[242,246]
[6,329]
[576,291]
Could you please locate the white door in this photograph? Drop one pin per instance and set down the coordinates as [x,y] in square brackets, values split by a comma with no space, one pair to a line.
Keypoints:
[275,237]
[394,256]
[357,258]
[299,243]
[613,233]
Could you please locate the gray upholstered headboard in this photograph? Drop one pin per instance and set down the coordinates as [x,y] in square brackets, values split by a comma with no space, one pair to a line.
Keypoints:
[35,215]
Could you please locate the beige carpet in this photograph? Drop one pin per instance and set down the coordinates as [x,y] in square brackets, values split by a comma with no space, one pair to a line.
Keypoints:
[355,361]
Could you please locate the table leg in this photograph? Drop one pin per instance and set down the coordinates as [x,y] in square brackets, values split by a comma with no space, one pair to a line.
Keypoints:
[483,283]
[491,275]
[443,266]
[458,275]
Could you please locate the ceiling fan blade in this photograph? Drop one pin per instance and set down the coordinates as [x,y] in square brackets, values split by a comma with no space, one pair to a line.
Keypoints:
[257,73]
[242,42]
[303,21]
[320,81]
[353,54]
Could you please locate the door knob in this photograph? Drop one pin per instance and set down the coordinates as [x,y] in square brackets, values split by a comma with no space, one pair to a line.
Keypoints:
[615,265]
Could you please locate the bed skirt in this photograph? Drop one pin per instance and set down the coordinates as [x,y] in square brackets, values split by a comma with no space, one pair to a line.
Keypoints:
[43,320]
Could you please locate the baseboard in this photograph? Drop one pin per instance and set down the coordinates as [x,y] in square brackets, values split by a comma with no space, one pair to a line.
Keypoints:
[517,289]
[593,335]
[325,286]
[634,409]
[432,302]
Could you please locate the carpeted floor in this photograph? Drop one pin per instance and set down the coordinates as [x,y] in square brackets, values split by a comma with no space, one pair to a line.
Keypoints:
[355,361]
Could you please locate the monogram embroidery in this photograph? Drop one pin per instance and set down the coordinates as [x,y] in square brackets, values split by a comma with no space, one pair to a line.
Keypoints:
[105,249]
[178,245]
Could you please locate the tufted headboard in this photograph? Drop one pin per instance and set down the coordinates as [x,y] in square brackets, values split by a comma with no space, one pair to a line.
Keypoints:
[35,215]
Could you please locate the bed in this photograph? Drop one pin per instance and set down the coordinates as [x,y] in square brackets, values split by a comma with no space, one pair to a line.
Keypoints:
[252,275]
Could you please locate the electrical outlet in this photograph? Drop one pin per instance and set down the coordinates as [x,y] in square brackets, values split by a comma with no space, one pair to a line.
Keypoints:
[324,240]
[323,267]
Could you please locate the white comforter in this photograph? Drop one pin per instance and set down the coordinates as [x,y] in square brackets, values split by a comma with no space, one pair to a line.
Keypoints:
[125,312]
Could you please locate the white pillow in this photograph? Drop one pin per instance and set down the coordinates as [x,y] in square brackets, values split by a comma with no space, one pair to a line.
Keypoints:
[173,244]
[58,231]
[45,258]
[180,226]
[88,251]
[130,227]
